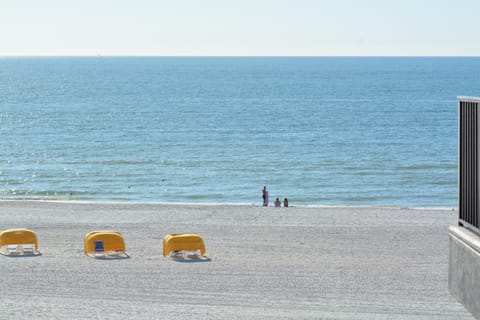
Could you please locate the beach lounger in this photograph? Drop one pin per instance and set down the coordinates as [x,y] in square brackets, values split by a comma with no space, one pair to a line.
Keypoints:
[105,244]
[184,246]
[18,242]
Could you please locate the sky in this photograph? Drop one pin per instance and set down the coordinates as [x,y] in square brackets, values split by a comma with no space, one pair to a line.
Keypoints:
[240,28]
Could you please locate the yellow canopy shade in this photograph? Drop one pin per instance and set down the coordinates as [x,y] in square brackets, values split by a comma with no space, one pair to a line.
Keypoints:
[183,241]
[18,236]
[112,240]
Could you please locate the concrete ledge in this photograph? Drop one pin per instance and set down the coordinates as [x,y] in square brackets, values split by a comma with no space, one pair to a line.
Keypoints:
[464,268]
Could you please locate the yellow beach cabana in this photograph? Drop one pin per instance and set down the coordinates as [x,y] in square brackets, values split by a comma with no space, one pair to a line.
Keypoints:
[181,245]
[105,243]
[18,241]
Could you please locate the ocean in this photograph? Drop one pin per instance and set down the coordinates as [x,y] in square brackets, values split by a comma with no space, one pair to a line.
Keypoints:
[367,131]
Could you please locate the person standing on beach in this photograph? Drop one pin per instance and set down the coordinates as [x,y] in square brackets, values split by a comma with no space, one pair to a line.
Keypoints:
[285,203]
[265,196]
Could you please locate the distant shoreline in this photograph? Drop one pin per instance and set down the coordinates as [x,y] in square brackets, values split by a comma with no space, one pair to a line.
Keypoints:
[224,204]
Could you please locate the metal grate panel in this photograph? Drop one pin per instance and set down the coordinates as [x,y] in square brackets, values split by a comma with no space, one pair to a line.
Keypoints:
[469,214]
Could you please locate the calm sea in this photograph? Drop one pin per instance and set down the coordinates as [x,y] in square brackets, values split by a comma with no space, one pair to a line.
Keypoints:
[319,131]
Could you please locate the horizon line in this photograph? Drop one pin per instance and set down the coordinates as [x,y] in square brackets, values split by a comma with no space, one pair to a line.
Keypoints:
[238,56]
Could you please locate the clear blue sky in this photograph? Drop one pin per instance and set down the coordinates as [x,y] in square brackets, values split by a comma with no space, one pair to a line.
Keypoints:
[243,27]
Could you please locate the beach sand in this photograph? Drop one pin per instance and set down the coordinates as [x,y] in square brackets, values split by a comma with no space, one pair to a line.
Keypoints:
[266,263]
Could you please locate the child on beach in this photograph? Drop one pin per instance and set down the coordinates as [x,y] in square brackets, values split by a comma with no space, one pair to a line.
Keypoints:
[277,203]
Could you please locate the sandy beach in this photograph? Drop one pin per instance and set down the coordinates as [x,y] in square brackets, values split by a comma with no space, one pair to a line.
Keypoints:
[266,263]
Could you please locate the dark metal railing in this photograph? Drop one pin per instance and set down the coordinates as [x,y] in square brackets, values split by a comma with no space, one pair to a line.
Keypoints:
[468,198]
